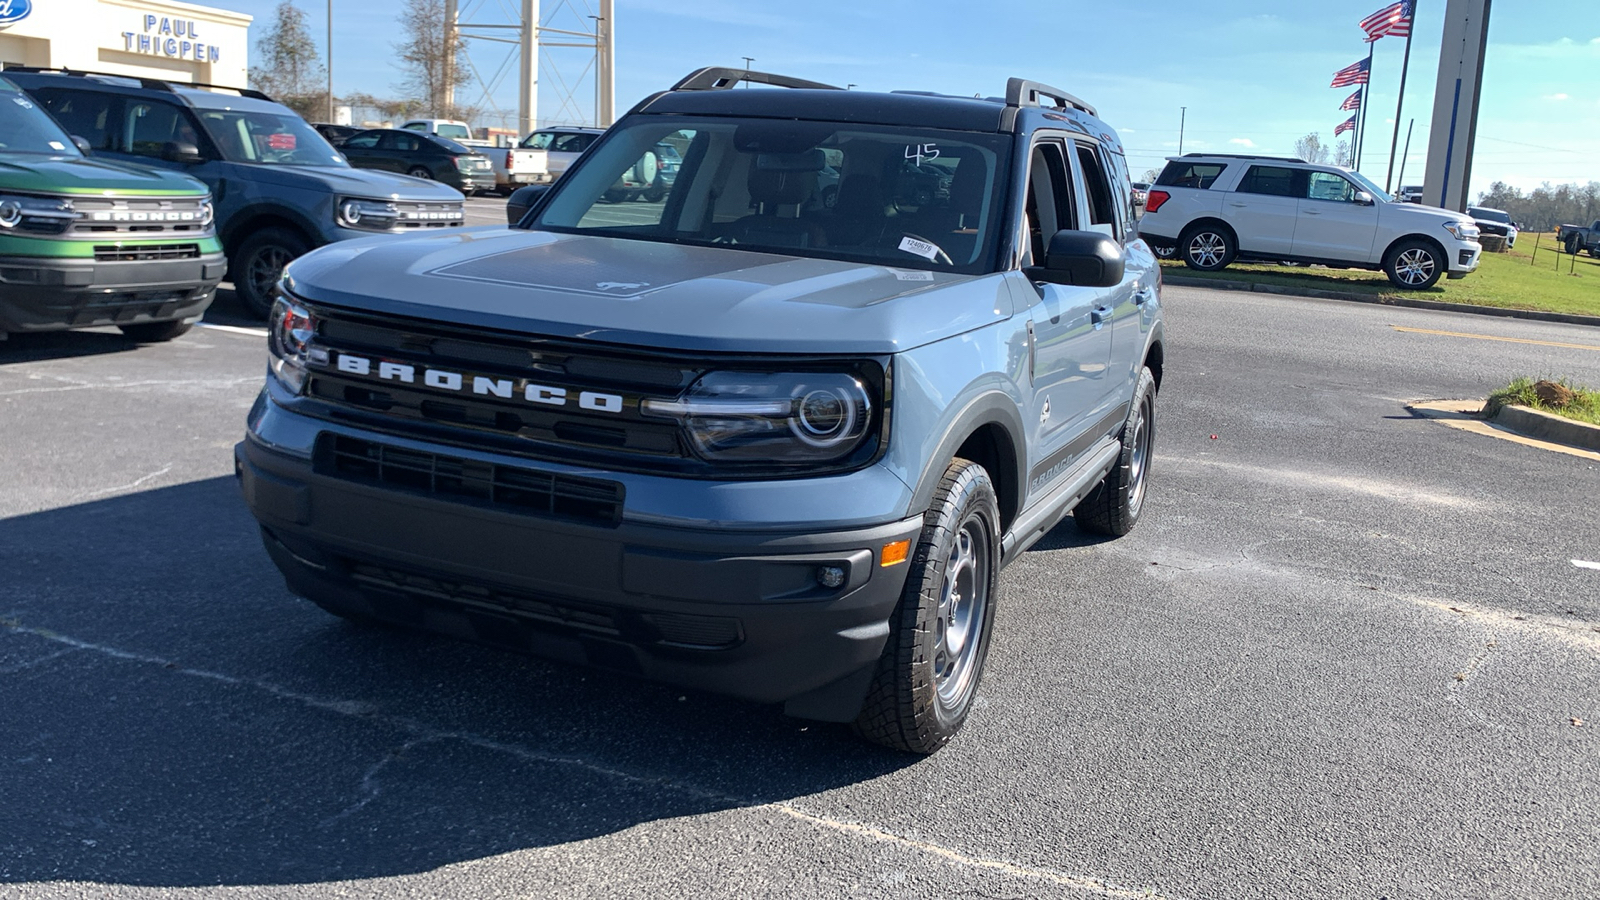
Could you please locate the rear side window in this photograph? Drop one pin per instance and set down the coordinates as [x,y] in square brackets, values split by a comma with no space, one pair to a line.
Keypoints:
[92,117]
[1275,181]
[1190,174]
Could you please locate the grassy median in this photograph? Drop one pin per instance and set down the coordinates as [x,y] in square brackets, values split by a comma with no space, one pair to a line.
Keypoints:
[1571,401]
[1514,280]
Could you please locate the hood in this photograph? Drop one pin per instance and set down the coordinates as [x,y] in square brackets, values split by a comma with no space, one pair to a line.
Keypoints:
[1415,213]
[353,182]
[36,173]
[643,293]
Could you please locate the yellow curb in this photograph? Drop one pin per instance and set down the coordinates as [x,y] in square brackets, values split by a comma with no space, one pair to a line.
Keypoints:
[1463,414]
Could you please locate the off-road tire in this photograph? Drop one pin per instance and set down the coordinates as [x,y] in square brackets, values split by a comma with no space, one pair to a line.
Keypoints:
[1114,505]
[267,249]
[155,332]
[1207,248]
[908,706]
[1573,245]
[1415,265]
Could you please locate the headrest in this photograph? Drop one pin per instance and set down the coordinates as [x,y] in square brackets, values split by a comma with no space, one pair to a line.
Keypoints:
[805,161]
[784,178]
[966,186]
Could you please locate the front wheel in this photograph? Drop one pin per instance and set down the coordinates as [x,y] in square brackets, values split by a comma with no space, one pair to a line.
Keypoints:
[260,263]
[420,172]
[1114,505]
[1207,248]
[939,633]
[1415,265]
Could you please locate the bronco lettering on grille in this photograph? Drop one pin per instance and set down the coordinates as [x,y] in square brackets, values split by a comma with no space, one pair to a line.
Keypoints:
[480,385]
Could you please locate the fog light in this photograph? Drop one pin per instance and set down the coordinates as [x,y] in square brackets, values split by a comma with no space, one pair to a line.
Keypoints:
[830,576]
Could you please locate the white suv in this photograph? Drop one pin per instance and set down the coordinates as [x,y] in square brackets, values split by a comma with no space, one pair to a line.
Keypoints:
[1216,208]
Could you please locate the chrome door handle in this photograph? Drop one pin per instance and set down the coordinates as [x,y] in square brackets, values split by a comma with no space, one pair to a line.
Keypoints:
[1143,295]
[1099,315]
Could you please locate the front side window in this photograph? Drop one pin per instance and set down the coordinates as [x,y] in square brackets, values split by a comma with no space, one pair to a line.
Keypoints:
[25,128]
[1274,181]
[905,197]
[149,127]
[1328,186]
[1098,187]
[268,138]
[366,141]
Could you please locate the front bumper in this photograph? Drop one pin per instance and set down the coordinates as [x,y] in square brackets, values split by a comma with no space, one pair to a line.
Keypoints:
[724,607]
[51,294]
[1464,257]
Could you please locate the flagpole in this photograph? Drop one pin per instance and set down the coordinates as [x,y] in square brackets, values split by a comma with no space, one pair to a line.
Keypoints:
[1400,104]
[1366,91]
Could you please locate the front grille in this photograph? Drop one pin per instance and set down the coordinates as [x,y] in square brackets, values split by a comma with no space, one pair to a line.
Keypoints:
[139,215]
[509,488]
[112,253]
[691,632]
[414,216]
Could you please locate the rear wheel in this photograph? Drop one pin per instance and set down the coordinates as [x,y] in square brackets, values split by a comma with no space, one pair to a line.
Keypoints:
[939,634]
[1415,265]
[259,265]
[1573,244]
[1207,248]
[1113,506]
[420,172]
[155,332]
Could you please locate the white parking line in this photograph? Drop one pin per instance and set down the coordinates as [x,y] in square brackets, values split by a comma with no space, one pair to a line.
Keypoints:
[235,329]
[1585,564]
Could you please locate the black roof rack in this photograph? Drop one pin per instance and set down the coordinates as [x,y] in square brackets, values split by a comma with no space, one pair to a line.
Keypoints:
[1022,92]
[152,84]
[1248,156]
[713,78]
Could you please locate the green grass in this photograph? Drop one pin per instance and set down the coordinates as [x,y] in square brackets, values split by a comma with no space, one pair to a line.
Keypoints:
[1584,406]
[1511,280]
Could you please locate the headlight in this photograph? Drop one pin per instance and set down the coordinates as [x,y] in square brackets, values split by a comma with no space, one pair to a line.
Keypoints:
[1462,231]
[789,417]
[208,213]
[36,215]
[368,215]
[290,329]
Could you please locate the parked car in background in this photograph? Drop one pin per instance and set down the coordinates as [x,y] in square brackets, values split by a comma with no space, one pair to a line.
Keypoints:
[452,129]
[1215,208]
[1140,189]
[279,187]
[86,242]
[1494,221]
[421,156]
[336,134]
[541,157]
[1411,193]
[1576,238]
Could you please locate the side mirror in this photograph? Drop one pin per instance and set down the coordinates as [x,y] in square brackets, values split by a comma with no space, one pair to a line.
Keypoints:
[181,152]
[81,144]
[522,200]
[1081,258]
[1364,199]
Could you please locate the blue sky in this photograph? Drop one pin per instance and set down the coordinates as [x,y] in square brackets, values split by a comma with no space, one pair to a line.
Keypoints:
[1253,74]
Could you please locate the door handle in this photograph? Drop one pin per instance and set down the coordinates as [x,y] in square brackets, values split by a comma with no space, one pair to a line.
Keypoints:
[1099,316]
[1311,212]
[1143,295]
[1237,205]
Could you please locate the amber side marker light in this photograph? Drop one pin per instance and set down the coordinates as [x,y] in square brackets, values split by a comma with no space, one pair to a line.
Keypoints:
[894,554]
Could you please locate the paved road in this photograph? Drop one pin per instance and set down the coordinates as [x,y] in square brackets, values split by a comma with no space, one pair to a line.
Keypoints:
[1339,659]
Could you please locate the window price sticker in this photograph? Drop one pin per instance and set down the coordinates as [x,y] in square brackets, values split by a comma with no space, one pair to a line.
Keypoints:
[919,248]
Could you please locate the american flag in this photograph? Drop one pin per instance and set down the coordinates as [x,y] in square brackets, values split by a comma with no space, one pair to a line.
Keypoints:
[1347,125]
[1393,19]
[1352,102]
[1355,73]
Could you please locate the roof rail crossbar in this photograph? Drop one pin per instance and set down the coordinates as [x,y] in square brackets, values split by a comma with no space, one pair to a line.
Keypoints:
[151,84]
[1294,159]
[714,78]
[1022,92]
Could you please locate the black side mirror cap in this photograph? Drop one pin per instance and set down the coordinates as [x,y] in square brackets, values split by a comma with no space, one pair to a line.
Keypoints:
[522,200]
[181,152]
[81,144]
[1081,258]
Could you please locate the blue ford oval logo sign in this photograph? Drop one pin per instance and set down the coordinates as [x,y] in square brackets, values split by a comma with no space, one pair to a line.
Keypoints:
[14,10]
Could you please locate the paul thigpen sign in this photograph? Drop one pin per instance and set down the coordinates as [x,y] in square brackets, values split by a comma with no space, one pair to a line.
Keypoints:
[170,37]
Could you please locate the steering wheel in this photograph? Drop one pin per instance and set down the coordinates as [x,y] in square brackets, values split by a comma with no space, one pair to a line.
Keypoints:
[939,256]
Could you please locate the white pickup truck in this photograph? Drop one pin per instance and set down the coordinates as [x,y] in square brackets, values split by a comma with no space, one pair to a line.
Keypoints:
[454,129]
[541,157]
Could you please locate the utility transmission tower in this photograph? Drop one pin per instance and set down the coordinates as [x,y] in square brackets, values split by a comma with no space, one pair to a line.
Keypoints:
[527,34]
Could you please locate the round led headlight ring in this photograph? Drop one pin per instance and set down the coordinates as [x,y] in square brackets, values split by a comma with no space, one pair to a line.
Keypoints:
[10,213]
[824,418]
[352,212]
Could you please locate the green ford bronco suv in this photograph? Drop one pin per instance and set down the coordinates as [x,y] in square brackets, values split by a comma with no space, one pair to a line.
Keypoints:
[85,242]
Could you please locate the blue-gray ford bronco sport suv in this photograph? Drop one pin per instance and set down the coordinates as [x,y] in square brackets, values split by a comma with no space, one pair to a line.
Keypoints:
[735,439]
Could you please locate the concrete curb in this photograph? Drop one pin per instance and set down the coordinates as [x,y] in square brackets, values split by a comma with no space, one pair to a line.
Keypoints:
[1549,427]
[1250,286]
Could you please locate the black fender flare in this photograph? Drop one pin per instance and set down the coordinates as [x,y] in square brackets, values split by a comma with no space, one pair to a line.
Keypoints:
[235,231]
[991,407]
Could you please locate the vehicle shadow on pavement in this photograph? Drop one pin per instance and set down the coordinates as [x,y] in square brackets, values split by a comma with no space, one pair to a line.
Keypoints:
[44,345]
[1067,535]
[173,717]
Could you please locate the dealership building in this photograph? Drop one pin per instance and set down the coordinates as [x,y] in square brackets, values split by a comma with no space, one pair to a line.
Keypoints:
[146,38]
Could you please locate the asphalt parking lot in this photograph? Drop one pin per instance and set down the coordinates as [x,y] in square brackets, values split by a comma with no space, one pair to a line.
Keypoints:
[1342,657]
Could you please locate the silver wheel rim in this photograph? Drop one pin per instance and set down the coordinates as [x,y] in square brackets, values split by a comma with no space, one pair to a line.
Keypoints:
[1206,249]
[1141,454]
[420,172]
[1414,266]
[266,267]
[963,603]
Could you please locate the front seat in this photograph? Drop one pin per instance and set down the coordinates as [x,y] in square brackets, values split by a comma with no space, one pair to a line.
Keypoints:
[780,185]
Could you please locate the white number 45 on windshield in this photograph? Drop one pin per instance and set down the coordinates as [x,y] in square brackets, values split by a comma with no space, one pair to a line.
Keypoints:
[920,152]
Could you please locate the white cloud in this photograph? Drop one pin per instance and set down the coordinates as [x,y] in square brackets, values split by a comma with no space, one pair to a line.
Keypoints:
[1243,142]
[1557,97]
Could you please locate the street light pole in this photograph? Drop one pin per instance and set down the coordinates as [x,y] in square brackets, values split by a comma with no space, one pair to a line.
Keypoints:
[1183,119]
[330,61]
[747,61]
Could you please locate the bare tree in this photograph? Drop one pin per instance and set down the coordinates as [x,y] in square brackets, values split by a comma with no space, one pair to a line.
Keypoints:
[1150,175]
[290,68]
[428,59]
[1344,154]
[1311,148]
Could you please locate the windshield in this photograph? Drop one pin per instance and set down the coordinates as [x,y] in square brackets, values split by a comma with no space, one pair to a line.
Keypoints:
[279,139]
[25,128]
[1488,215]
[914,198]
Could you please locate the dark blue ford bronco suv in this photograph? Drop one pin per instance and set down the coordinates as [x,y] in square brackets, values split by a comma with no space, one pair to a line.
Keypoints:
[735,438]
